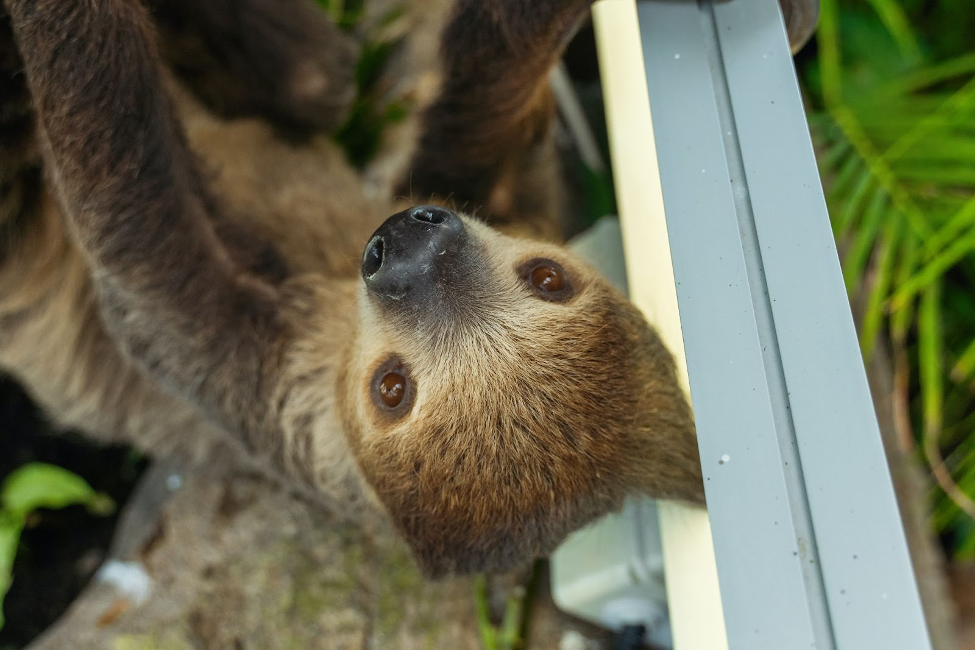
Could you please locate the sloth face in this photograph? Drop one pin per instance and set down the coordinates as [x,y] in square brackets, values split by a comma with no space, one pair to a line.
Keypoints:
[505,394]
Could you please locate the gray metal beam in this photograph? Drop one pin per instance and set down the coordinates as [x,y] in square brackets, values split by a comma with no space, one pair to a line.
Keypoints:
[809,544]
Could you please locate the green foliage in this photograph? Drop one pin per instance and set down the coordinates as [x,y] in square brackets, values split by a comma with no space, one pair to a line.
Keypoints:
[372,110]
[30,488]
[893,93]
[598,193]
[9,537]
[508,635]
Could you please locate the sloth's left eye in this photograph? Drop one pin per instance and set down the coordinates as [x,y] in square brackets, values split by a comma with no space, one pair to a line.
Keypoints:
[547,278]
[392,387]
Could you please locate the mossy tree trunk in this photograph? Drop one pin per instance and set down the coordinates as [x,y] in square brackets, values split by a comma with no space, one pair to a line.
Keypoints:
[237,563]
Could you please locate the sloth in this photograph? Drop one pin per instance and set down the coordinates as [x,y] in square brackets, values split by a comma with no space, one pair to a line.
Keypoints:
[187,259]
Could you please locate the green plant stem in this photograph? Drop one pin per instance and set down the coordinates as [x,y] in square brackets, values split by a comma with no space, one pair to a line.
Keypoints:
[485,628]
[506,636]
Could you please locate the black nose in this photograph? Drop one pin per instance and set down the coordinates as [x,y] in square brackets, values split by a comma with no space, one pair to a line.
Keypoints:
[413,253]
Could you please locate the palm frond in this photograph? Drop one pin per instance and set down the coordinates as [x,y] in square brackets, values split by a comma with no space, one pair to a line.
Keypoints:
[896,151]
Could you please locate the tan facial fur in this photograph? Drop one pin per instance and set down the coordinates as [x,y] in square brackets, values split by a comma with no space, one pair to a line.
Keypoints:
[520,407]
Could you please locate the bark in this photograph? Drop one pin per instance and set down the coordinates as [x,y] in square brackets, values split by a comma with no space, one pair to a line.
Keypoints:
[237,563]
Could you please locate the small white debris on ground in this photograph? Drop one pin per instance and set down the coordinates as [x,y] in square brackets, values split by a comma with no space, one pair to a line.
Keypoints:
[573,640]
[129,579]
[174,482]
[724,459]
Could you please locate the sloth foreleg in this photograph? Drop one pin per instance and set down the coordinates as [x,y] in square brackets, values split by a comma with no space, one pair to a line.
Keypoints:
[171,295]
[485,138]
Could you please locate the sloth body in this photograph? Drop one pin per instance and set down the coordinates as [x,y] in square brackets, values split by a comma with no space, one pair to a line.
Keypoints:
[487,393]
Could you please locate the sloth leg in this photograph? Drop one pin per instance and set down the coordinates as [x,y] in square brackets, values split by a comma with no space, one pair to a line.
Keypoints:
[171,295]
[485,139]
[283,59]
[20,164]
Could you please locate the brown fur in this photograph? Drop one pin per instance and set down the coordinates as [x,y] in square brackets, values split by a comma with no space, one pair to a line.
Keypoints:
[143,299]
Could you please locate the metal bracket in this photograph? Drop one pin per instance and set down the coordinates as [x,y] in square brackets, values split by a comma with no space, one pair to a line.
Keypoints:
[809,546]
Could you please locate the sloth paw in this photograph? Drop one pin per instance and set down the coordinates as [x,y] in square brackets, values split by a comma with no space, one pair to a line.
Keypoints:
[282,59]
[312,83]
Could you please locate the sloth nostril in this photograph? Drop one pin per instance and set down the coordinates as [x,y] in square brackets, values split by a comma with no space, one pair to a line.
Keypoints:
[373,257]
[433,216]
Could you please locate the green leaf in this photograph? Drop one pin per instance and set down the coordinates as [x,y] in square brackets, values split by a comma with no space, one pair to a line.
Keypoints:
[924,77]
[853,204]
[931,358]
[904,202]
[898,25]
[829,52]
[875,305]
[833,156]
[33,486]
[506,636]
[963,367]
[857,256]
[40,485]
[938,174]
[901,321]
[950,230]
[847,173]
[930,273]
[485,628]
[511,622]
[10,528]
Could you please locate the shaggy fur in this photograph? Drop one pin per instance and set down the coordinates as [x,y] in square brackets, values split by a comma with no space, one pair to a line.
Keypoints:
[182,277]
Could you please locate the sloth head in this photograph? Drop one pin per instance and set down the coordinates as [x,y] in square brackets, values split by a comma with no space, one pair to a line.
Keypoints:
[502,395]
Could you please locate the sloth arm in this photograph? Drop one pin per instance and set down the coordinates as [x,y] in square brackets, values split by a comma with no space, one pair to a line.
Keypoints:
[171,295]
[484,140]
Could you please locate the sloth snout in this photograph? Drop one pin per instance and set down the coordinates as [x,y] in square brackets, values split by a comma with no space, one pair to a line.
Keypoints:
[413,253]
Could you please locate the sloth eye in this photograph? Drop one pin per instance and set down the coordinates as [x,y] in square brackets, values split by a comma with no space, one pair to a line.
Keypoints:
[547,278]
[391,388]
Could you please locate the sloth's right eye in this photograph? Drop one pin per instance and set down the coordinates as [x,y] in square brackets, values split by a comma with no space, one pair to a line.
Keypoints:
[391,387]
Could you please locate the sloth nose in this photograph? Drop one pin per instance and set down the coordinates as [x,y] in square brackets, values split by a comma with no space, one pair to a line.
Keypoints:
[413,253]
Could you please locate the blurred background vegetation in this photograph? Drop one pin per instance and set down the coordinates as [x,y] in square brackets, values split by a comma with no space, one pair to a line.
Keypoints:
[890,92]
